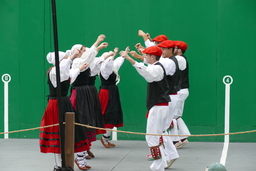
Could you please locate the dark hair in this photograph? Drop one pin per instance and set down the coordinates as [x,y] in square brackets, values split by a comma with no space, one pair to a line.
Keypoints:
[172,50]
[183,51]
[157,58]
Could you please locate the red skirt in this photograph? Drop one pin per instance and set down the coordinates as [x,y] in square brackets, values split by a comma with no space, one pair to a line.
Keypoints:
[50,137]
[111,106]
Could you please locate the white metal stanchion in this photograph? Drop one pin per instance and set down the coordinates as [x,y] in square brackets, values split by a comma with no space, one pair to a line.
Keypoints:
[227,80]
[114,134]
[6,78]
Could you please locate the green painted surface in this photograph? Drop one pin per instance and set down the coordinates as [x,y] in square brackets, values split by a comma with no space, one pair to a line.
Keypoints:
[221,37]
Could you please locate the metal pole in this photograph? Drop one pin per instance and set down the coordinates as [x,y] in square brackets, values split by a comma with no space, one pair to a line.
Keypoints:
[227,80]
[60,108]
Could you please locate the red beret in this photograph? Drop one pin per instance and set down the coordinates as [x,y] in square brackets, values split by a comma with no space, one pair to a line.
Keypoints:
[153,50]
[160,38]
[182,45]
[167,44]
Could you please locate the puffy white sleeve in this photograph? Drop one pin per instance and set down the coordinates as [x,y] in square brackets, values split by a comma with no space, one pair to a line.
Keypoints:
[148,43]
[64,72]
[87,57]
[118,62]
[181,62]
[73,73]
[107,67]
[168,65]
[95,65]
[151,73]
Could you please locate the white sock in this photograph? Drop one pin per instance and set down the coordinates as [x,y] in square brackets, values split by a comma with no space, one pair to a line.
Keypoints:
[58,159]
[108,134]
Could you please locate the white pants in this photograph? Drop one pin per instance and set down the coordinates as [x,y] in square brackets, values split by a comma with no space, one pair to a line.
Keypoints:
[174,131]
[183,94]
[156,123]
[179,128]
[170,151]
[173,107]
[182,128]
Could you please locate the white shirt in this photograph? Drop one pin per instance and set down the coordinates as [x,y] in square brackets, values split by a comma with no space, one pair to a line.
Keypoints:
[110,65]
[64,72]
[95,65]
[181,62]
[168,65]
[87,57]
[151,72]
[148,43]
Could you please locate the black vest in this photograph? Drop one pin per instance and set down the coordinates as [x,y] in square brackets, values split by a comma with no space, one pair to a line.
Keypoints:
[174,79]
[110,81]
[64,88]
[184,80]
[92,80]
[82,79]
[158,91]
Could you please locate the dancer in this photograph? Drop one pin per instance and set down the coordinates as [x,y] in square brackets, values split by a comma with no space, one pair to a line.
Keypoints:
[95,103]
[81,97]
[179,126]
[157,102]
[171,67]
[109,96]
[49,137]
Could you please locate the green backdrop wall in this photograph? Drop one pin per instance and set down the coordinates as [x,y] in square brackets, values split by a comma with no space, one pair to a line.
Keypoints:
[221,37]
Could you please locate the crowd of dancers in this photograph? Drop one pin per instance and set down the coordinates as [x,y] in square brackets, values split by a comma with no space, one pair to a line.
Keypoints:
[165,68]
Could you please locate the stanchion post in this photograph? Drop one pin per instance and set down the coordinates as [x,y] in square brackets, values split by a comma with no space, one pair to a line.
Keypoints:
[6,78]
[69,139]
[227,80]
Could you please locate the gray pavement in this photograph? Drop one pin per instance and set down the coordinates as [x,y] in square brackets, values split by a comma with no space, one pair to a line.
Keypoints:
[24,155]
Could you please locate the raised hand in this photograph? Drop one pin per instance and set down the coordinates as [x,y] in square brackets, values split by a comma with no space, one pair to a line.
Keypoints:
[102,45]
[116,50]
[139,47]
[127,49]
[148,36]
[136,55]
[141,33]
[101,38]
[123,53]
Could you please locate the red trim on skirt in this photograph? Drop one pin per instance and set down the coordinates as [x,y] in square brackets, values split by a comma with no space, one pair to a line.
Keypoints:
[49,137]
[73,98]
[99,131]
[91,136]
[103,96]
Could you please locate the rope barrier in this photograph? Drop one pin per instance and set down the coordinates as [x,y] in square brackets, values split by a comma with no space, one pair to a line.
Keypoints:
[31,129]
[202,135]
[129,132]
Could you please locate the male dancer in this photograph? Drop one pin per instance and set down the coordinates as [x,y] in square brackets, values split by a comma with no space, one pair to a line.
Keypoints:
[157,102]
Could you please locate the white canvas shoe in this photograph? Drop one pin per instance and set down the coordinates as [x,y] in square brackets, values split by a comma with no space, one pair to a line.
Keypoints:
[170,162]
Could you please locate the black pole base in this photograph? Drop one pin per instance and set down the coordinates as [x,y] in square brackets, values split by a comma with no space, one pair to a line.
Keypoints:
[58,168]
